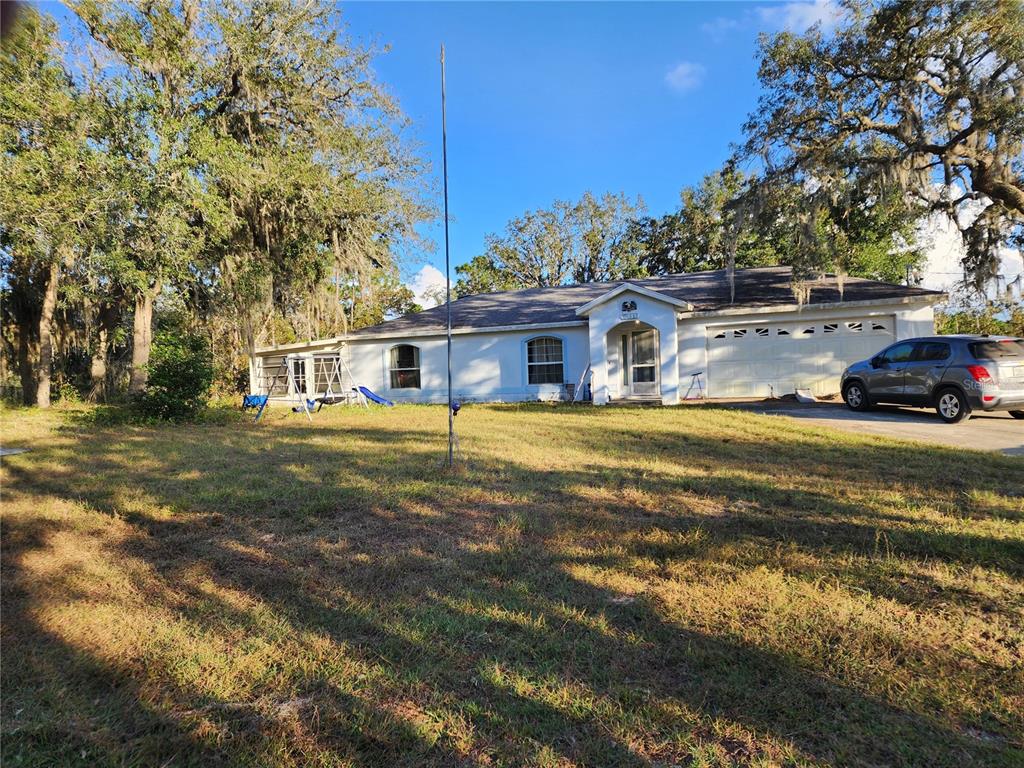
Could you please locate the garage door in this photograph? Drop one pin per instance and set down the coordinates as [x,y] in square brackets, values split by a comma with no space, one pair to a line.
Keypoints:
[757,360]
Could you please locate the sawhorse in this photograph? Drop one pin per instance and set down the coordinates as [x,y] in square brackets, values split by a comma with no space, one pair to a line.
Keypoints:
[695,382]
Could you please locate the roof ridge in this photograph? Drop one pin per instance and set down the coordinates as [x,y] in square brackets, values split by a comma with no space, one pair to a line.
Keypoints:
[561,286]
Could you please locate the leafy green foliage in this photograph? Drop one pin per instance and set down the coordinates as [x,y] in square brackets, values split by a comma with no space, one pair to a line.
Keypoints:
[52,195]
[241,157]
[871,236]
[482,274]
[915,106]
[570,242]
[377,299]
[67,393]
[872,239]
[180,377]
[598,239]
[1005,318]
[695,237]
[321,187]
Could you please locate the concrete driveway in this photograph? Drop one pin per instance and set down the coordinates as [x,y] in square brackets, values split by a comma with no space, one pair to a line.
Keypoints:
[983,431]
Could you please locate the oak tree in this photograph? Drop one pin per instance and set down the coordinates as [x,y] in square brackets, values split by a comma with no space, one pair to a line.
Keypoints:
[49,197]
[914,104]
[570,242]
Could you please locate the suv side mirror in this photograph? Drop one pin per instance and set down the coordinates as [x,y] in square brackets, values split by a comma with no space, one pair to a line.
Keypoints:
[876,362]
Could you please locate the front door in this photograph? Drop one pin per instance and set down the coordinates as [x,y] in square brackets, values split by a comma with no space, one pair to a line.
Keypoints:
[640,368]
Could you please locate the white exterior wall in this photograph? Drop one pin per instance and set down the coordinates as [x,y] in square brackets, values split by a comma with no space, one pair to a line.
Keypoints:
[919,321]
[487,367]
[693,356]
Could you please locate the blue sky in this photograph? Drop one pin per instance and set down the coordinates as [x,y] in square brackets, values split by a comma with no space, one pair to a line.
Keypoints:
[548,100]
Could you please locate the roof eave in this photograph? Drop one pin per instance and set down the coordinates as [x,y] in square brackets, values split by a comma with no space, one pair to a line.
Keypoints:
[923,299]
[422,333]
[301,345]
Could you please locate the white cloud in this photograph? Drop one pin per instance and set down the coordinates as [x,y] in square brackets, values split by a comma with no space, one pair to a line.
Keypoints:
[795,16]
[428,284]
[801,16]
[685,76]
[719,28]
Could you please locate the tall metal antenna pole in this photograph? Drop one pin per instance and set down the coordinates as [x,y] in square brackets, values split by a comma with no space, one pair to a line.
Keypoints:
[447,266]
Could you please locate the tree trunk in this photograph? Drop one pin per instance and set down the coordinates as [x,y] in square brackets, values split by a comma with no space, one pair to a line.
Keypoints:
[24,306]
[106,322]
[28,353]
[986,179]
[250,349]
[142,340]
[45,361]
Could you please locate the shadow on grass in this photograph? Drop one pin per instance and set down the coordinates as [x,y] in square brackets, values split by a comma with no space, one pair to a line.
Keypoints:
[440,619]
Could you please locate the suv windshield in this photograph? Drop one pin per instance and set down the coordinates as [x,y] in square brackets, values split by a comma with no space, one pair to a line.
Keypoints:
[993,350]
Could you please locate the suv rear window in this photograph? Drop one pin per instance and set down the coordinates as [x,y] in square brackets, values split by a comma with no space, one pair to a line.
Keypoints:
[993,350]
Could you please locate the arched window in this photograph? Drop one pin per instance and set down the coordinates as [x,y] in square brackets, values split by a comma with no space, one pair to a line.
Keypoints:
[544,363]
[405,367]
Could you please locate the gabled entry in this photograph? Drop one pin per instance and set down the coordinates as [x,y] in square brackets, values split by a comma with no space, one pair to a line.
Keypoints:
[636,291]
[634,344]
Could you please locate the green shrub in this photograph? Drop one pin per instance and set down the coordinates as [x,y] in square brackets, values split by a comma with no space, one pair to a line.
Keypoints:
[997,317]
[67,393]
[180,377]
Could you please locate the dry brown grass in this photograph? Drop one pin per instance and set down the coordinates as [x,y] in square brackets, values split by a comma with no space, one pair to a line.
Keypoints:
[595,587]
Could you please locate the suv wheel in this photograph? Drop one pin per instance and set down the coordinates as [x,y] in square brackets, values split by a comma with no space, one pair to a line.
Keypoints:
[856,396]
[952,406]
[1017,414]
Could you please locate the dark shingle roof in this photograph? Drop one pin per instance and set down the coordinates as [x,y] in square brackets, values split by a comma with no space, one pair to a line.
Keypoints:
[761,287]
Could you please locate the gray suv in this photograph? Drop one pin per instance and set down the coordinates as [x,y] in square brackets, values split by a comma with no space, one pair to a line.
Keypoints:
[953,374]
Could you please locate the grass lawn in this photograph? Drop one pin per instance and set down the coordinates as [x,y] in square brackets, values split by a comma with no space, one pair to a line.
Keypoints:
[599,587]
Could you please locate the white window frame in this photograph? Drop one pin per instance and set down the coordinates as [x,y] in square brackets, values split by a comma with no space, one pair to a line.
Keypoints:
[299,369]
[530,366]
[393,368]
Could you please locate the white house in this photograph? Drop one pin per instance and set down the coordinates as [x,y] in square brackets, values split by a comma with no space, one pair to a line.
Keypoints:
[640,339]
